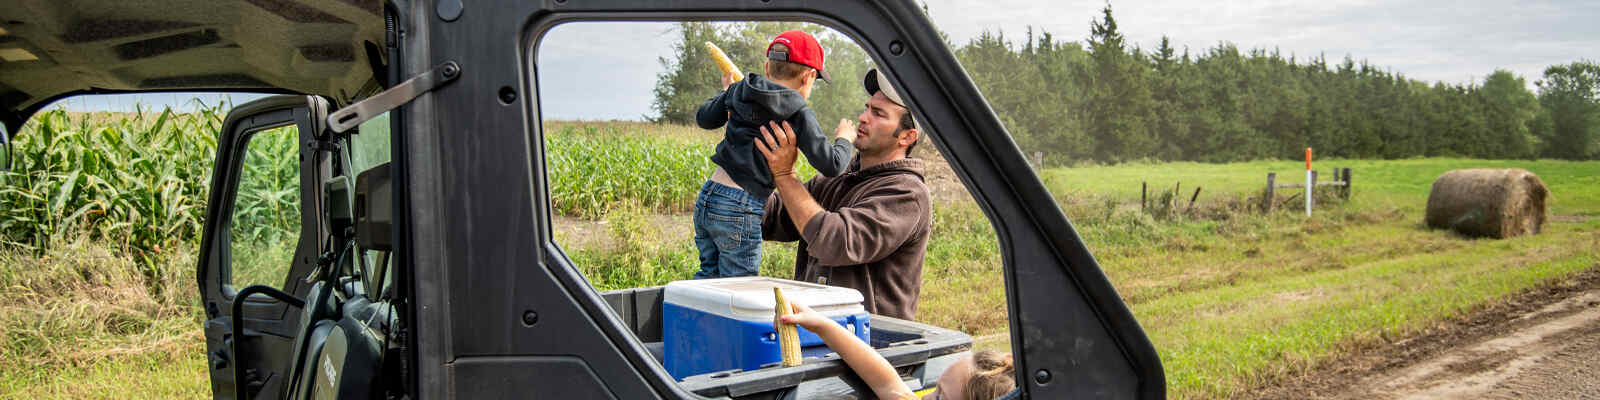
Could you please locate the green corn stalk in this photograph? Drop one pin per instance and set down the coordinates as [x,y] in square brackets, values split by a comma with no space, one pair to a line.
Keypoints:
[594,167]
[138,181]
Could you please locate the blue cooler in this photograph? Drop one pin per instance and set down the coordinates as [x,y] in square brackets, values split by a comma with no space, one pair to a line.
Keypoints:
[713,325]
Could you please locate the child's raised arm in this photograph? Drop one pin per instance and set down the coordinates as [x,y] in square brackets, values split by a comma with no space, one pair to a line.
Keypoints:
[861,358]
[714,112]
[830,156]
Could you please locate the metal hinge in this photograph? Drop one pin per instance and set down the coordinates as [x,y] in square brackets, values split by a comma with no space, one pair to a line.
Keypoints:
[396,96]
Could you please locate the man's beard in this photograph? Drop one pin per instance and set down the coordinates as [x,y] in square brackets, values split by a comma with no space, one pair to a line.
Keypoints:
[867,148]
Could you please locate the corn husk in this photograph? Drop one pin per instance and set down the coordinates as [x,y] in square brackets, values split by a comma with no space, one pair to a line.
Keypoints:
[723,62]
[788,334]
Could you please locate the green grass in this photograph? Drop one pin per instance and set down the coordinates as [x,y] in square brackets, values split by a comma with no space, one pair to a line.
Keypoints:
[1400,184]
[179,373]
[1227,321]
[1234,300]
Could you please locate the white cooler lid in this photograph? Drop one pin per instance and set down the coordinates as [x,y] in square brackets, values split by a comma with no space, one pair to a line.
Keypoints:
[750,298]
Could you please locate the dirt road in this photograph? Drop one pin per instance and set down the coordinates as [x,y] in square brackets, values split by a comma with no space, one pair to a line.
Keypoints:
[1558,358]
[1541,345]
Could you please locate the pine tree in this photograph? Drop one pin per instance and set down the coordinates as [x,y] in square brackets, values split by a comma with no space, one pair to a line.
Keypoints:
[1120,109]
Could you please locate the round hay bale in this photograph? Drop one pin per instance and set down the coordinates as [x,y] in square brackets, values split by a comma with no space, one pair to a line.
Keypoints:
[1498,203]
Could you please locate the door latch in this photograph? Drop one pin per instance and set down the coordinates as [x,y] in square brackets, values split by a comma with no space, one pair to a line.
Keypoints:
[394,97]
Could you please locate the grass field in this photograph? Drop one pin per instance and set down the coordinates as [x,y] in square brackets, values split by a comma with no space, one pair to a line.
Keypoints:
[1230,298]
[1400,184]
[1234,300]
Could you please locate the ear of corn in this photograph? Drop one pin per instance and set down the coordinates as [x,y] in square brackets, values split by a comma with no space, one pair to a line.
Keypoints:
[723,62]
[788,334]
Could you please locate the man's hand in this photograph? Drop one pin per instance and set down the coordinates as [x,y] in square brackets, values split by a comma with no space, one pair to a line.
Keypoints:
[778,146]
[727,80]
[846,131]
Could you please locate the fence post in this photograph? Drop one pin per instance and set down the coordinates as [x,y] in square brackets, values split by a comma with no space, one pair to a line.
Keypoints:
[1144,190]
[1038,160]
[1177,190]
[1311,182]
[1192,198]
[1346,192]
[1272,187]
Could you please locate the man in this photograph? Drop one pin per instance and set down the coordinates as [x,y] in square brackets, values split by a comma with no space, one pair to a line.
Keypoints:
[866,229]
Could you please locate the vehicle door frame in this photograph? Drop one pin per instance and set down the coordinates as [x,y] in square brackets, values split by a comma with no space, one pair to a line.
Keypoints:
[271,324]
[487,309]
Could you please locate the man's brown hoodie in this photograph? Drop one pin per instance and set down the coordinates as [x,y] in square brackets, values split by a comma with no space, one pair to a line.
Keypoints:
[871,235]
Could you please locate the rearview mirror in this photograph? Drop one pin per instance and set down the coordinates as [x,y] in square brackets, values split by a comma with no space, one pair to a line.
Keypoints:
[5,149]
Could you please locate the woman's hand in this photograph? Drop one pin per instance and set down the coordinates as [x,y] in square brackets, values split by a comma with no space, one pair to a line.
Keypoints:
[806,318]
[866,362]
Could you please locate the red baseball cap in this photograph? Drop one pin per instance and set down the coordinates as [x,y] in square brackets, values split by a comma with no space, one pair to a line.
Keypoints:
[803,49]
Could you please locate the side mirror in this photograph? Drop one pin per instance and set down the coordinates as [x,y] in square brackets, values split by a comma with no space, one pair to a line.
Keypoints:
[374,212]
[5,149]
[374,218]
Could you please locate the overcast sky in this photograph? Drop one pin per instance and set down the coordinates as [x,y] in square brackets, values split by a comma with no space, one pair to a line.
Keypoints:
[606,71]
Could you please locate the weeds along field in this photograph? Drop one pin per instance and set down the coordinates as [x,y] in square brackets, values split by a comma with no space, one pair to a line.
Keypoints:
[101,219]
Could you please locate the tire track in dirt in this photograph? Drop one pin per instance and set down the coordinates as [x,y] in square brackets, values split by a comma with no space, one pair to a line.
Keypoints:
[1544,343]
[1538,357]
[1568,374]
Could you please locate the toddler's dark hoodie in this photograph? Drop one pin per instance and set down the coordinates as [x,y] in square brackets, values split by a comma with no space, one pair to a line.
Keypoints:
[750,104]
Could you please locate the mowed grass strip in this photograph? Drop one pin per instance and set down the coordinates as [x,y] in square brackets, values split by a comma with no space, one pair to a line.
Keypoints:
[1218,339]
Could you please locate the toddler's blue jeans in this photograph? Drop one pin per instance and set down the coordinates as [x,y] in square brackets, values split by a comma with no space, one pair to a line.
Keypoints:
[727,230]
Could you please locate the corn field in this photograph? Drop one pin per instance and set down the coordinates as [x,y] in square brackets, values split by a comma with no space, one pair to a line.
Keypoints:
[595,167]
[140,181]
[135,181]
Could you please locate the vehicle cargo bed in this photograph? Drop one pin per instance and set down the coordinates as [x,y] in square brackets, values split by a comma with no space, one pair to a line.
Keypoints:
[921,352]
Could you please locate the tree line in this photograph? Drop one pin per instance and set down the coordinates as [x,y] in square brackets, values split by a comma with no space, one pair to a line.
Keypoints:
[691,77]
[1108,101]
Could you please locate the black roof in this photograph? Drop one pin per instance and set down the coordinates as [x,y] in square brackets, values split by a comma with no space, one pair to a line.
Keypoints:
[55,48]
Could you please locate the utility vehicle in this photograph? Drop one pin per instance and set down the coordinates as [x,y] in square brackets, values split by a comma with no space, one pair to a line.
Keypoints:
[425,265]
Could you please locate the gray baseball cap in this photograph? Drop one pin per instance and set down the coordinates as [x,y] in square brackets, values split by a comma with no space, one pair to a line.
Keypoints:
[876,81]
